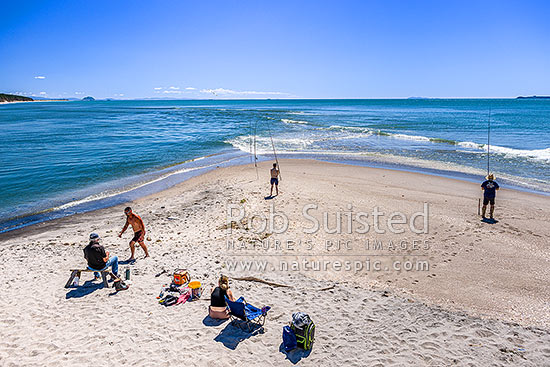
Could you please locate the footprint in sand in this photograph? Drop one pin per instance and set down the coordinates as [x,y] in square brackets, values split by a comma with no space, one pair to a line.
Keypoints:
[484,333]
[430,345]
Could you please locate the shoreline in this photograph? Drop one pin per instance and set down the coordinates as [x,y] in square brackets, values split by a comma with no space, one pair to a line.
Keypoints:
[229,157]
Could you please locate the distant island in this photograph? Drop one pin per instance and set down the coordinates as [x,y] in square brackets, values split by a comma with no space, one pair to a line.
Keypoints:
[88,98]
[14,98]
[533,97]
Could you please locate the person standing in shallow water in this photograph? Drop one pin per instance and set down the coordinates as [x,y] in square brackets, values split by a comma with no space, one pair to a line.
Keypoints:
[139,232]
[274,179]
[489,188]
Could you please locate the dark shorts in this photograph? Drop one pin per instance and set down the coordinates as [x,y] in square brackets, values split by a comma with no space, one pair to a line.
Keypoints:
[137,235]
[488,200]
[274,181]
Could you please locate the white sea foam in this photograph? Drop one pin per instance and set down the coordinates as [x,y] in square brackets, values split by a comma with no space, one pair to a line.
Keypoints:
[303,113]
[470,145]
[354,132]
[409,137]
[538,154]
[263,144]
[288,121]
[349,128]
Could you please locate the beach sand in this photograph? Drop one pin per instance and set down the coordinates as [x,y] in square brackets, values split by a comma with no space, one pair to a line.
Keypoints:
[484,301]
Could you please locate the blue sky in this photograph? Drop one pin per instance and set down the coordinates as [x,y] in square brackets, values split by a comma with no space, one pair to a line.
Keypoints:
[277,49]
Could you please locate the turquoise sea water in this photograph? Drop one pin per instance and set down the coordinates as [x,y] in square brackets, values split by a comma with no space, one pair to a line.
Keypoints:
[58,158]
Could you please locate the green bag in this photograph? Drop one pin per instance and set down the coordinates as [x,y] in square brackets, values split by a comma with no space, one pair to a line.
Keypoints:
[305,336]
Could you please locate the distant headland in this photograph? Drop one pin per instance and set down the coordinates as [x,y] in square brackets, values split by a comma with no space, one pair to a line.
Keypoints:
[12,98]
[533,97]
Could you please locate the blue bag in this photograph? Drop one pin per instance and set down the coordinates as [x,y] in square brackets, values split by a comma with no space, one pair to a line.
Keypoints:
[289,339]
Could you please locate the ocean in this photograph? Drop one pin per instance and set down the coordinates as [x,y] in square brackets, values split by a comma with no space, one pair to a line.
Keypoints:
[61,158]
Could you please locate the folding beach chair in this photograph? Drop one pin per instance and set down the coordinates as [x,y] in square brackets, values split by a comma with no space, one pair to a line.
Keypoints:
[251,316]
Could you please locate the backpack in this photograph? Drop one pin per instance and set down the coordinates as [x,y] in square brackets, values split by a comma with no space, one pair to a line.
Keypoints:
[304,329]
[289,339]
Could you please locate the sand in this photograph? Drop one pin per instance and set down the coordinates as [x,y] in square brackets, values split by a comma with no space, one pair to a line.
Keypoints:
[484,300]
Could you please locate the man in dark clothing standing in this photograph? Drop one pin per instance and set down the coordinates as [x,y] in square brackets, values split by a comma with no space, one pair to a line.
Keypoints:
[98,258]
[489,188]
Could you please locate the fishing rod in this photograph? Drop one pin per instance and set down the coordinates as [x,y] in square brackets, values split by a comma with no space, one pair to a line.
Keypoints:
[488,141]
[488,156]
[274,152]
[250,140]
[255,155]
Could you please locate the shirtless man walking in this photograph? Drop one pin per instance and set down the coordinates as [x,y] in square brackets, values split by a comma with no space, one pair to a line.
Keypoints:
[274,179]
[139,232]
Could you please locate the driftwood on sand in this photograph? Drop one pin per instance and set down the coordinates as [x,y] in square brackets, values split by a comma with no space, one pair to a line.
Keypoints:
[258,280]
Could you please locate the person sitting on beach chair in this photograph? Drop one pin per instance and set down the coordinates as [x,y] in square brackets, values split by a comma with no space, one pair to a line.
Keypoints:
[489,188]
[218,305]
[274,179]
[98,259]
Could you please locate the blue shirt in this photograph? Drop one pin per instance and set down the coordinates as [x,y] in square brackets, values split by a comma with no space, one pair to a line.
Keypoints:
[490,188]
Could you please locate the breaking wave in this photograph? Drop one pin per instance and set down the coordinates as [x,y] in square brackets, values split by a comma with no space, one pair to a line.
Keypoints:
[289,121]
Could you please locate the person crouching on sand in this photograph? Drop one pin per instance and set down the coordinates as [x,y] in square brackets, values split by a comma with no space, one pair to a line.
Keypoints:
[489,188]
[139,232]
[274,179]
[98,258]
[218,305]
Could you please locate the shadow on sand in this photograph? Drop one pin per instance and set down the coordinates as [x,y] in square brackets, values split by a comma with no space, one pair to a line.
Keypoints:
[295,355]
[489,221]
[270,197]
[208,321]
[232,335]
[83,290]
[127,262]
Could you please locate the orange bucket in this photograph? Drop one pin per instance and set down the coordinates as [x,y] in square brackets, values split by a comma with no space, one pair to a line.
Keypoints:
[196,289]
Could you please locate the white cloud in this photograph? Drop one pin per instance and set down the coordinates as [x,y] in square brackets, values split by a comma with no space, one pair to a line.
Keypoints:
[230,92]
[43,93]
[39,77]
[190,88]
[119,95]
[78,93]
[172,92]
[174,88]
[157,88]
